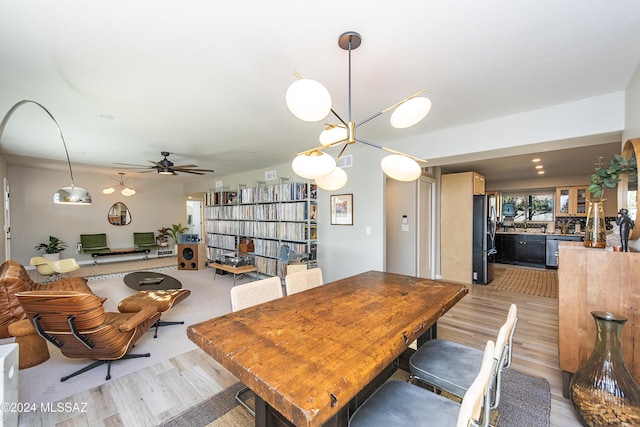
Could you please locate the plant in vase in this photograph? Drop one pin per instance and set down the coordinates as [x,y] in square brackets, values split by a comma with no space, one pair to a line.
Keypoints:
[595,235]
[175,231]
[163,236]
[52,248]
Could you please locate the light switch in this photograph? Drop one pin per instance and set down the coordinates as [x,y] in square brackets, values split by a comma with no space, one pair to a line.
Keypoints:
[367,230]
[405,227]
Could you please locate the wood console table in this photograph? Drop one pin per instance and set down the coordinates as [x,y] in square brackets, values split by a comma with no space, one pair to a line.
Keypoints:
[307,356]
[595,280]
[236,271]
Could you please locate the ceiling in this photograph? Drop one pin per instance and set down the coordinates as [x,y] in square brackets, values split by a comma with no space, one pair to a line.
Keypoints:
[206,80]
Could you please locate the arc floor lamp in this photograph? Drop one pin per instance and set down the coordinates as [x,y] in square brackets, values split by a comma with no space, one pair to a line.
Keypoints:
[71,195]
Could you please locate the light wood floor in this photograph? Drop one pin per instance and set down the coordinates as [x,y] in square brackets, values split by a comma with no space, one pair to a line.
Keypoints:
[148,397]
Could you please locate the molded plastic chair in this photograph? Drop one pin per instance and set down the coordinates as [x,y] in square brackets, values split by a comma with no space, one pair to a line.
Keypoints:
[54,269]
[303,280]
[77,324]
[250,294]
[398,403]
[449,366]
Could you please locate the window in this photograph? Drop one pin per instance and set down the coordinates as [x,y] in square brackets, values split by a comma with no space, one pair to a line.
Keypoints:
[531,207]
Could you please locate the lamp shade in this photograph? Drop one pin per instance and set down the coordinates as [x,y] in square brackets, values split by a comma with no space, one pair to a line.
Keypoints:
[128,191]
[72,196]
[334,181]
[308,100]
[313,165]
[109,190]
[401,168]
[333,134]
[411,112]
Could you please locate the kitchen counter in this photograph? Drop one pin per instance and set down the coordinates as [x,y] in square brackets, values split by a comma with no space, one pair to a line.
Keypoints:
[531,232]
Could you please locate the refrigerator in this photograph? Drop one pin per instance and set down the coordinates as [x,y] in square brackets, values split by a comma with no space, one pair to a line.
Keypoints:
[484,238]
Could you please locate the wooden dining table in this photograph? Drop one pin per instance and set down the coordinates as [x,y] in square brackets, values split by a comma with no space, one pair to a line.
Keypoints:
[309,356]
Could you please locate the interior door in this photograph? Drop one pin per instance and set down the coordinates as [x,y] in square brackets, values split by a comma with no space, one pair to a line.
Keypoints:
[426,232]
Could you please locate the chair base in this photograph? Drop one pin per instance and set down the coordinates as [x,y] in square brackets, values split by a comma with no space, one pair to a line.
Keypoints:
[242,402]
[163,323]
[100,363]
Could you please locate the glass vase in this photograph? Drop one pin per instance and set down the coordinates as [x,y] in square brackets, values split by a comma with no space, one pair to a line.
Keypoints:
[602,391]
[595,231]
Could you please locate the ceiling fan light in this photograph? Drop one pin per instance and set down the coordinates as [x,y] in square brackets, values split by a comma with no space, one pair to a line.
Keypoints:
[411,112]
[334,181]
[128,191]
[313,165]
[165,171]
[333,133]
[72,196]
[401,168]
[308,100]
[109,190]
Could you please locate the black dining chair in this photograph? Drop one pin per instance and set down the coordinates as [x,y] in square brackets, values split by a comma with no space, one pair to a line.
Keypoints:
[449,366]
[399,403]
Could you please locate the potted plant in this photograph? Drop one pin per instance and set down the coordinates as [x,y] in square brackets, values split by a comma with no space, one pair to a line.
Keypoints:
[175,231]
[163,236]
[52,248]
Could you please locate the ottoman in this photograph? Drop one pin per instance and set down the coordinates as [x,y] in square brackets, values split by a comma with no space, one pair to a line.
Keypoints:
[163,300]
[32,348]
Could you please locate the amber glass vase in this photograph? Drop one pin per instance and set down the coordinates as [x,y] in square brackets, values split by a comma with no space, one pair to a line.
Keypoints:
[595,231]
[603,392]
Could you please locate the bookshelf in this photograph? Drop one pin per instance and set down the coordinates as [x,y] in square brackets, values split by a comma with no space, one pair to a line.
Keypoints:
[270,215]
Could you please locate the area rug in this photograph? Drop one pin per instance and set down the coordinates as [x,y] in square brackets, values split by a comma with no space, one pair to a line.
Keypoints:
[530,281]
[525,402]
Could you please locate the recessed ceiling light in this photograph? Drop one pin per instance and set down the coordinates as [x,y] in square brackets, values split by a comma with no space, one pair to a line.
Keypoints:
[539,166]
[540,172]
[535,160]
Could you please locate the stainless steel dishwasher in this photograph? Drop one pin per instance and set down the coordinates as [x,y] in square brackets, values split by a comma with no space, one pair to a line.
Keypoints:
[552,247]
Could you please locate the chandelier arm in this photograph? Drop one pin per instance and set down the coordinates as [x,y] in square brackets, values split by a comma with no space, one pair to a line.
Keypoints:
[322,147]
[391,108]
[26,101]
[391,150]
[341,152]
[339,118]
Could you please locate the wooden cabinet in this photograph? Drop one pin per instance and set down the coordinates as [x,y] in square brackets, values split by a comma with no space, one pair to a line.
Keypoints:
[589,280]
[478,184]
[571,201]
[456,224]
[521,249]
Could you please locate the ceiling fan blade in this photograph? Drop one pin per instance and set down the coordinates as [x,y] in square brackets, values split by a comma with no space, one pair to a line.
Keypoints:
[185,167]
[129,164]
[198,170]
[191,171]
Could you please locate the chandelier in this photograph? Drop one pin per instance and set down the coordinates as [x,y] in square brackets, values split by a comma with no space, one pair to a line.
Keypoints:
[310,101]
[126,191]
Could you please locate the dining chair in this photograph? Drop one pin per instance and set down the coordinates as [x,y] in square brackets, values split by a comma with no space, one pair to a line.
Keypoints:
[248,295]
[303,280]
[398,403]
[449,366]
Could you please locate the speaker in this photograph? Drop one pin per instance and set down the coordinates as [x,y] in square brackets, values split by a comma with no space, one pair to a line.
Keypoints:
[191,256]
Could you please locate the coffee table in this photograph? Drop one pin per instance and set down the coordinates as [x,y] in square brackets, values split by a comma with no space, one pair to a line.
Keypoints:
[151,281]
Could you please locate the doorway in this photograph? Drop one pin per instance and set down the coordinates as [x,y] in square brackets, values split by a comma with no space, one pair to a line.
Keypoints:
[410,233]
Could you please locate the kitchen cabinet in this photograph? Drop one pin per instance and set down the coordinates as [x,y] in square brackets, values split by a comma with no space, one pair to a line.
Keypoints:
[571,201]
[521,249]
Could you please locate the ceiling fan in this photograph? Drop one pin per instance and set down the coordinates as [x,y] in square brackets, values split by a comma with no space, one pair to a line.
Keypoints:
[166,167]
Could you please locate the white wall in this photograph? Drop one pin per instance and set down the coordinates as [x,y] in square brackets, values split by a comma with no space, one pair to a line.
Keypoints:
[34,216]
[401,200]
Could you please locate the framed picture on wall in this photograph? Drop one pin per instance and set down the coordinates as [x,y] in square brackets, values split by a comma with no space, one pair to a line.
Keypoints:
[342,209]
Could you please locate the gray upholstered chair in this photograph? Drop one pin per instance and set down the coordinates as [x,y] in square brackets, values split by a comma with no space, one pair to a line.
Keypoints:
[250,294]
[450,366]
[398,403]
